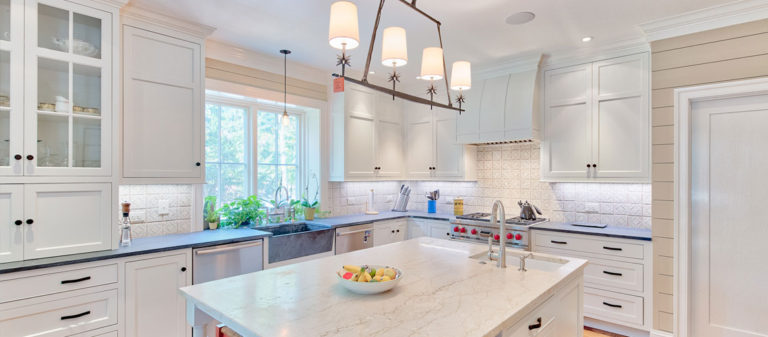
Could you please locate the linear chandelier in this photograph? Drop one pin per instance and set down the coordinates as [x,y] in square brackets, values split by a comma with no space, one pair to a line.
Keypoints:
[343,34]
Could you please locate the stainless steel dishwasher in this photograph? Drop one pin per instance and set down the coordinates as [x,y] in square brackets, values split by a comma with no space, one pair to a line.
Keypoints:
[217,262]
[354,238]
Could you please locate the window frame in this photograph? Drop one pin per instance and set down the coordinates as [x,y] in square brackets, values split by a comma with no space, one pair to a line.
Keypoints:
[249,133]
[253,106]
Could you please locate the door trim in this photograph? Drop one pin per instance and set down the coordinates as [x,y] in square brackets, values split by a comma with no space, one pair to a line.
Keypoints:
[684,98]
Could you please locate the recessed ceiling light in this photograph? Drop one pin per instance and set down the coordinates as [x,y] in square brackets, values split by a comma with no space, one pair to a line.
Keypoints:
[586,39]
[520,18]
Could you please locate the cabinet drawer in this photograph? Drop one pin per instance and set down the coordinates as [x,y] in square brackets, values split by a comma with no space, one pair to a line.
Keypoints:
[613,307]
[590,245]
[32,286]
[540,322]
[61,317]
[619,275]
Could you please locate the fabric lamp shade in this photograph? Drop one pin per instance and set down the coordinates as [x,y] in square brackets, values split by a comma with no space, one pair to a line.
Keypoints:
[343,32]
[432,63]
[394,49]
[461,75]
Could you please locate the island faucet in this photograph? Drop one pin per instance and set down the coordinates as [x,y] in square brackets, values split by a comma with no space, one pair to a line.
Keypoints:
[522,261]
[497,215]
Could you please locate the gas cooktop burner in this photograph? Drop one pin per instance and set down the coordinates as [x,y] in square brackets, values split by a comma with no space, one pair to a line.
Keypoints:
[480,216]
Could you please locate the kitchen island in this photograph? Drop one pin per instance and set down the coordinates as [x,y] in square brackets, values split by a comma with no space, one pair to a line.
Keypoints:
[448,288]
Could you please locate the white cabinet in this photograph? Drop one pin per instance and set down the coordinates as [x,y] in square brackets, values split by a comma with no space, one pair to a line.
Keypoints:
[12,89]
[417,228]
[439,229]
[153,306]
[367,137]
[162,104]
[44,220]
[432,150]
[560,315]
[11,220]
[66,219]
[389,231]
[597,121]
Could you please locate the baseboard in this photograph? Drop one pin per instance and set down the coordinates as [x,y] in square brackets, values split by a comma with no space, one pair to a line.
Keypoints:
[615,328]
[659,333]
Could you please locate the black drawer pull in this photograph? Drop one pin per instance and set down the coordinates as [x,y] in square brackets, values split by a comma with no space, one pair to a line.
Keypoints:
[76,280]
[612,248]
[612,305]
[535,326]
[559,242]
[612,273]
[76,315]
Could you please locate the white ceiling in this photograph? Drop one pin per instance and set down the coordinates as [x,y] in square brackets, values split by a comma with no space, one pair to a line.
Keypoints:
[473,30]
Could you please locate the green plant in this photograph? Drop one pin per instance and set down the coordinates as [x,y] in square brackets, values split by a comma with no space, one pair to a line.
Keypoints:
[310,203]
[209,207]
[242,212]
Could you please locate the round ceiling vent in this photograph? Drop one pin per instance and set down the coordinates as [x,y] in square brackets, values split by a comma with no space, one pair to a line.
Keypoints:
[520,18]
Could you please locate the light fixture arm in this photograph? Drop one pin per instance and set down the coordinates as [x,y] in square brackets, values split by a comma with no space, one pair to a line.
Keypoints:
[411,5]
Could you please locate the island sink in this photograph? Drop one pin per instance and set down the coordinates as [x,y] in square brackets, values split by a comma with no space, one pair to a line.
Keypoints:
[533,262]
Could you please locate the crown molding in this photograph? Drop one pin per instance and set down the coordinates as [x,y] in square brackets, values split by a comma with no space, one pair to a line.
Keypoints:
[706,19]
[132,12]
[113,3]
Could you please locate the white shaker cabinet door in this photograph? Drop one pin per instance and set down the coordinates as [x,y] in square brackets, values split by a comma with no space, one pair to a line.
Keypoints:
[163,113]
[11,223]
[360,157]
[153,305]
[621,119]
[566,149]
[66,219]
[419,141]
[449,159]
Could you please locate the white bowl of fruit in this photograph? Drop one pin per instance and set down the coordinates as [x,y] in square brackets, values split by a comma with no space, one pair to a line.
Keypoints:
[369,279]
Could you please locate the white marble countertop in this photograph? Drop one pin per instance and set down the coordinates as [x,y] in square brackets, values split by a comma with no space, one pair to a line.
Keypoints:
[442,293]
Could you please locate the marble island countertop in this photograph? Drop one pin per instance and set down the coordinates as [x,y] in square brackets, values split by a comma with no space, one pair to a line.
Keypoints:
[443,292]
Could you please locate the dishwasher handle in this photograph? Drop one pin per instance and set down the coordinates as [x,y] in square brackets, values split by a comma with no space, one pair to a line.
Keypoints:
[353,232]
[227,248]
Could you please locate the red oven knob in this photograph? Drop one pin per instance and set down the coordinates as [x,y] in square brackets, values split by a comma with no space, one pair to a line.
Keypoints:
[473,231]
[456,229]
[509,236]
[496,237]
[518,237]
[463,230]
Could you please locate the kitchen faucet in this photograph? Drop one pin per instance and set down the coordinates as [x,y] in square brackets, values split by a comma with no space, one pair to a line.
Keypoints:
[522,261]
[497,215]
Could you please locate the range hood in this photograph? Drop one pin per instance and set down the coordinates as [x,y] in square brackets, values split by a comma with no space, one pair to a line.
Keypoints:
[502,108]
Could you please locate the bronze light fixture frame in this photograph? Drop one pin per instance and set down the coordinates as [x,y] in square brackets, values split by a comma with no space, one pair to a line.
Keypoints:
[364,81]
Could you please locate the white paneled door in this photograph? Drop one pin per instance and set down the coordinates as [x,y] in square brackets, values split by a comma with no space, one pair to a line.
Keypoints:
[729,191]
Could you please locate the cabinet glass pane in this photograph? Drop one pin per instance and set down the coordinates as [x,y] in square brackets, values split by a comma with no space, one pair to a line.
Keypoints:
[52,85]
[86,142]
[87,35]
[5,20]
[5,112]
[52,140]
[5,138]
[5,79]
[86,83]
[52,28]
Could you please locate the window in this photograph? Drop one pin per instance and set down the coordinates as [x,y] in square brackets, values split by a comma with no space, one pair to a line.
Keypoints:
[278,154]
[227,148]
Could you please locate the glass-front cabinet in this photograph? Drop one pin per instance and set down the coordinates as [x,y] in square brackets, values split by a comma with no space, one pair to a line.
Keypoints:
[66,77]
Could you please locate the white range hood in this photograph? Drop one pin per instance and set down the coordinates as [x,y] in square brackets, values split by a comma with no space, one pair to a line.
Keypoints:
[502,108]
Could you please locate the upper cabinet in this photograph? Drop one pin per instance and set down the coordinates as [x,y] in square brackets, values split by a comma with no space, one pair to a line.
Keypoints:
[56,89]
[501,109]
[597,121]
[163,99]
[377,138]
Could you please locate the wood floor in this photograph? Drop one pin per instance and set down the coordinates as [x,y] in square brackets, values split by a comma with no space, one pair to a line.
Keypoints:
[592,332]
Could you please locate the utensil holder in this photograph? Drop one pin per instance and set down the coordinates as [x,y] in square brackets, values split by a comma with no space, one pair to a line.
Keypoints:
[431,206]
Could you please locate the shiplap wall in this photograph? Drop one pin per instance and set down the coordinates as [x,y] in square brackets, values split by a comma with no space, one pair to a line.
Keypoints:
[725,54]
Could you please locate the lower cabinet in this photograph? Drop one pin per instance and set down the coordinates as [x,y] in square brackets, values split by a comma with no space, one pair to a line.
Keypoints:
[440,229]
[389,231]
[153,306]
[559,316]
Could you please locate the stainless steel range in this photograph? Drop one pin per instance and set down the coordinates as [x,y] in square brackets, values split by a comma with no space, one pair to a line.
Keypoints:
[476,227]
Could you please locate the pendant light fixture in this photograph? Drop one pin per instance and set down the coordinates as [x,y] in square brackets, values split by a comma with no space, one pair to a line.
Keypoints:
[343,34]
[286,120]
[394,53]
[461,79]
[342,31]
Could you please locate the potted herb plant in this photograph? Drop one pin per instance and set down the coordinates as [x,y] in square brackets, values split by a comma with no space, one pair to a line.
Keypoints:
[210,214]
[310,205]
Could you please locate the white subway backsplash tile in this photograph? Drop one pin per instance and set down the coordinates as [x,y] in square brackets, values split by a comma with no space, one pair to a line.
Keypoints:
[509,173]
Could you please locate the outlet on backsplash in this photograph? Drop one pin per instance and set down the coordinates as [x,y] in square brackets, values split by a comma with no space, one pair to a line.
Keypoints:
[163,207]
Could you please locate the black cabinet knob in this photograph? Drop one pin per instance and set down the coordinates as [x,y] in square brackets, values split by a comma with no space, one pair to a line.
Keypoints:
[197,164]
[594,165]
[30,157]
[183,269]
[30,221]
[17,222]
[17,157]
[588,166]
[398,231]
